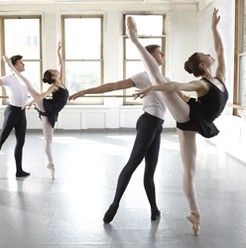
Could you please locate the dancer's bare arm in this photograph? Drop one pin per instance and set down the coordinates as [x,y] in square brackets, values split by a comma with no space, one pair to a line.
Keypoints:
[123,84]
[197,85]
[218,46]
[7,60]
[41,96]
[60,61]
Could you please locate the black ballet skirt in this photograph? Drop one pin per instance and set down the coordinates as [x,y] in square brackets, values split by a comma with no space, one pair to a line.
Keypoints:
[54,105]
[204,110]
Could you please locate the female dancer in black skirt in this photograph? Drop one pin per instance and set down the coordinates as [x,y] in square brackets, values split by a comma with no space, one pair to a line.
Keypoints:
[196,115]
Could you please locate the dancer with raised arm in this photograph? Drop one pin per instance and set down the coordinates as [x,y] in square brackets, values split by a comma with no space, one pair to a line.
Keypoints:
[148,137]
[195,116]
[14,115]
[48,108]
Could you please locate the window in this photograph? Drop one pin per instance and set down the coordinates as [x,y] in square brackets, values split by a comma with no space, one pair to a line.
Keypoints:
[240,48]
[148,34]
[21,35]
[83,54]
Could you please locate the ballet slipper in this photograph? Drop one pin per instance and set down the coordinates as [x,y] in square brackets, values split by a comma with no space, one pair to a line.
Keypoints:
[109,215]
[131,29]
[194,218]
[155,215]
[51,167]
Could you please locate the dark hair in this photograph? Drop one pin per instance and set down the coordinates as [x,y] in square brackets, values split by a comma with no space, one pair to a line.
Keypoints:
[151,48]
[15,58]
[192,65]
[48,77]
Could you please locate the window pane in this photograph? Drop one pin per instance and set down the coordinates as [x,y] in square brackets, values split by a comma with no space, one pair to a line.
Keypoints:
[32,72]
[82,75]
[149,24]
[131,50]
[133,68]
[22,37]
[83,38]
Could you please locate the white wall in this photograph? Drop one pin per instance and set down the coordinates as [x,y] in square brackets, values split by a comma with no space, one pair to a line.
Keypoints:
[188,30]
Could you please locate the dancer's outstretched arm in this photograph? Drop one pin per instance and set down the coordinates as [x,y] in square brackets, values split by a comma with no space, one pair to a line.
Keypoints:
[123,84]
[28,84]
[218,46]
[41,96]
[60,61]
[195,85]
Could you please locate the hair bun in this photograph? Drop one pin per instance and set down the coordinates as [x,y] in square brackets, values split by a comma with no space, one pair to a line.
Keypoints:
[187,67]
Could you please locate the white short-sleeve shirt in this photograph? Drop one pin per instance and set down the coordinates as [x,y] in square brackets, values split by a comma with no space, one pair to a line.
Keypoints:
[152,103]
[16,90]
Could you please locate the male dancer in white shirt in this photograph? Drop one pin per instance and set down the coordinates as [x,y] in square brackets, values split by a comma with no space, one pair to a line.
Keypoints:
[14,116]
[148,138]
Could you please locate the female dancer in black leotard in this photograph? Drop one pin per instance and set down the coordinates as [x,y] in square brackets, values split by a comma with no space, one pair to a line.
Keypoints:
[48,108]
[196,116]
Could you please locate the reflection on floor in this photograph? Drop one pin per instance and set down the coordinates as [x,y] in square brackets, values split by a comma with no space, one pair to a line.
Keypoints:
[67,212]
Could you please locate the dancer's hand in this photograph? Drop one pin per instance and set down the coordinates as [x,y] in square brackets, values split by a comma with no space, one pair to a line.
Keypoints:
[132,29]
[215,18]
[76,95]
[27,106]
[143,93]
[59,46]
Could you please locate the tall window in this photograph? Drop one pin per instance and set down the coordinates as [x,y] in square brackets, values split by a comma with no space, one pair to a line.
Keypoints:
[148,35]
[240,88]
[21,35]
[83,54]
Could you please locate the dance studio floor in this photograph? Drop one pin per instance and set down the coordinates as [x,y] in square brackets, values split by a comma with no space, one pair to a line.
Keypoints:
[67,212]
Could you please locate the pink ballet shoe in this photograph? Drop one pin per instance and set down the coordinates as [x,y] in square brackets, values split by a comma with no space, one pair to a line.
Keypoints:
[51,167]
[131,29]
[194,218]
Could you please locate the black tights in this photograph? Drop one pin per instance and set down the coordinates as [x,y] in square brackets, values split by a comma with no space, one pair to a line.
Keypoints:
[15,118]
[147,145]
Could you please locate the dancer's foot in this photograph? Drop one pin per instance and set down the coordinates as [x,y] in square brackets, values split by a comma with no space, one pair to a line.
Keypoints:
[22,174]
[194,218]
[109,215]
[51,167]
[132,29]
[155,214]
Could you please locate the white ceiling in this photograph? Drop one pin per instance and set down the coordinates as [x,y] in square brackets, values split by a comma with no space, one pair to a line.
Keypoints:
[102,1]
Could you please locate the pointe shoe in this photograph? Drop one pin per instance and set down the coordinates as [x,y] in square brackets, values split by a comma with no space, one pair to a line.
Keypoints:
[109,215]
[51,167]
[194,218]
[131,29]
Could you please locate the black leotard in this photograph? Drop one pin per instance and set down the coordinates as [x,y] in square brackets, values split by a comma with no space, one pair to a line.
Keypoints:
[54,105]
[204,110]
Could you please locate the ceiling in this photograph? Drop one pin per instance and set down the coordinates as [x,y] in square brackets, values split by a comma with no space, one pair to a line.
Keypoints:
[104,1]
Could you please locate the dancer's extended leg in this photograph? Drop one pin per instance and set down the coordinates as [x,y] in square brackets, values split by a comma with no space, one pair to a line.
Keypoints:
[177,107]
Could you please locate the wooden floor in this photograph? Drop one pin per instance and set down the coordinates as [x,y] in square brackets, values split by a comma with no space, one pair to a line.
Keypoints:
[67,212]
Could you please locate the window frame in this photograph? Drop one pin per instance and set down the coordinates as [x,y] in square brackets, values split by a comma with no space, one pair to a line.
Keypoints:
[2,48]
[100,100]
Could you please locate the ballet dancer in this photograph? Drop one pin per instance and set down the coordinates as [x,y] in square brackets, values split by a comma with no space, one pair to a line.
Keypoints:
[196,115]
[14,115]
[148,137]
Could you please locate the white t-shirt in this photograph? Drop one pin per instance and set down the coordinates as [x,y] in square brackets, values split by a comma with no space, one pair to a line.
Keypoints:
[16,90]
[152,103]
